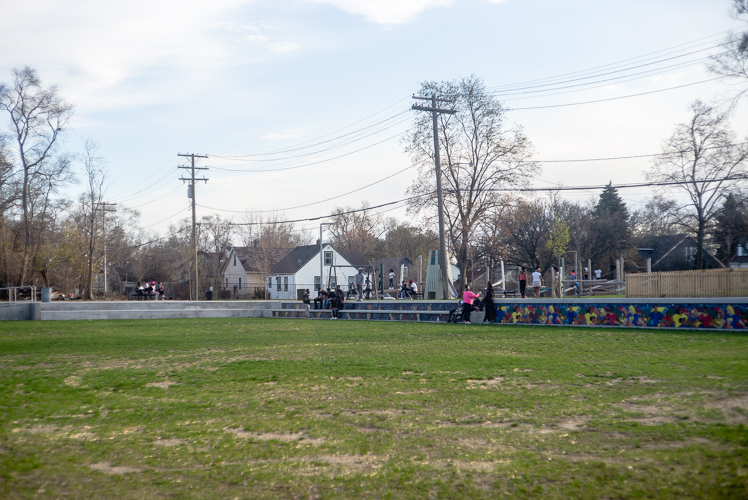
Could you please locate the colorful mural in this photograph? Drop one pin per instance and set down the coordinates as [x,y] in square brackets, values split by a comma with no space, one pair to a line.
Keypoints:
[712,316]
[717,316]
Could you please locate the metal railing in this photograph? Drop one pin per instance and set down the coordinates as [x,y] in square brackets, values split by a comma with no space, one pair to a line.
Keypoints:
[13,294]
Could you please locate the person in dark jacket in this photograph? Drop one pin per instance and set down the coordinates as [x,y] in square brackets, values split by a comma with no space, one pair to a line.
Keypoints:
[488,305]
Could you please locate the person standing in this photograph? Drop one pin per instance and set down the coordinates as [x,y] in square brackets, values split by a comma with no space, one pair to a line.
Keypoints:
[307,302]
[392,279]
[488,305]
[522,282]
[598,274]
[585,273]
[160,290]
[359,280]
[556,286]
[467,304]
[537,282]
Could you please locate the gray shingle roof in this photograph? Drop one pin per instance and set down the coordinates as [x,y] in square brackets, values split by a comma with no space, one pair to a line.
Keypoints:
[253,258]
[300,256]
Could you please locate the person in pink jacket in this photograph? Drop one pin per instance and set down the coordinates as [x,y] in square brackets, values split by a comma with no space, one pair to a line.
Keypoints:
[467,304]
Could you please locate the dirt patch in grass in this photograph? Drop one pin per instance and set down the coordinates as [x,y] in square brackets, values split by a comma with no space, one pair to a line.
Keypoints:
[106,468]
[574,424]
[161,385]
[170,442]
[484,384]
[735,408]
[274,436]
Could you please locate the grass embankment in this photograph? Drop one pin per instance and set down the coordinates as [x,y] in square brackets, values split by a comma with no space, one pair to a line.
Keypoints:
[312,409]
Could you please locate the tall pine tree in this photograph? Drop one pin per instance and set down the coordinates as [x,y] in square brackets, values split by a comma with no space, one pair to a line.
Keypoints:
[610,224]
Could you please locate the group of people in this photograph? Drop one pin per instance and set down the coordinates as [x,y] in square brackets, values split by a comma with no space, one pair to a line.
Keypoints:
[537,282]
[327,299]
[152,290]
[407,290]
[472,302]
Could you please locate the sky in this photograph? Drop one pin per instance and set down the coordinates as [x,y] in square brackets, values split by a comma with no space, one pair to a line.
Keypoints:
[323,89]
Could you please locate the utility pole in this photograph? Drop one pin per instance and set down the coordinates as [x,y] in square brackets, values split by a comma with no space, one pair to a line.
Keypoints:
[442,247]
[191,194]
[106,207]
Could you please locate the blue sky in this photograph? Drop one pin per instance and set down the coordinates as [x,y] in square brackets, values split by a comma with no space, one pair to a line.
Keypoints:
[229,77]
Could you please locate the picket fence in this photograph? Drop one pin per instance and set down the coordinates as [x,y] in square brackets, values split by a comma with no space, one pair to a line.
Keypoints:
[696,284]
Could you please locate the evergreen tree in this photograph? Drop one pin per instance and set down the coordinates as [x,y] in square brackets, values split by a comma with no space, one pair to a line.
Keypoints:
[610,223]
[731,227]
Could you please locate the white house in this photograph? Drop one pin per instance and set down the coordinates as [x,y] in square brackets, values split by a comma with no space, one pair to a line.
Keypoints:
[300,270]
[244,270]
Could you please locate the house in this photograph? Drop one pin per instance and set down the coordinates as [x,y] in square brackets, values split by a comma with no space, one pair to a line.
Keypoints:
[299,270]
[245,268]
[740,259]
[675,252]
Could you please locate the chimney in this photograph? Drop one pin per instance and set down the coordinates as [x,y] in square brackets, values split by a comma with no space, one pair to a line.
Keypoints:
[317,241]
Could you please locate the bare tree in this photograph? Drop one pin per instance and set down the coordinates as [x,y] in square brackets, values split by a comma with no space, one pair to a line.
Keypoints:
[733,61]
[658,217]
[361,231]
[91,208]
[703,159]
[38,115]
[481,153]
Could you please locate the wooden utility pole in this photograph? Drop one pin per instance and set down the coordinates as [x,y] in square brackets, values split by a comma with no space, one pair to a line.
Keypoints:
[106,207]
[191,194]
[440,206]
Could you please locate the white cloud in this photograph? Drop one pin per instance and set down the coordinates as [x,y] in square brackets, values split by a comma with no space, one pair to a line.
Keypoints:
[386,11]
[114,55]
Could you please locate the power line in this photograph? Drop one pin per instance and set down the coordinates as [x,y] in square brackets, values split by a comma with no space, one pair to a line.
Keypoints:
[615,98]
[613,64]
[313,203]
[609,72]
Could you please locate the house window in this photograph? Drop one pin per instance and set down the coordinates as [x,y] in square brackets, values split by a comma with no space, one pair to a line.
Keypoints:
[690,253]
[278,283]
[316,282]
[333,282]
[328,258]
[285,283]
[740,251]
[234,260]
[240,283]
[405,272]
[227,284]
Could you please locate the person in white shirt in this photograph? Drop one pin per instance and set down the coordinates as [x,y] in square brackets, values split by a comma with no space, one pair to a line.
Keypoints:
[392,278]
[537,282]
[413,287]
[598,274]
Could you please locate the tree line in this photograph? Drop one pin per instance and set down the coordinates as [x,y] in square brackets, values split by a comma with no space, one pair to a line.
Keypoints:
[487,165]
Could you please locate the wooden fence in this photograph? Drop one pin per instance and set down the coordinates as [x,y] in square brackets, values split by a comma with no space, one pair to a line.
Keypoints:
[703,283]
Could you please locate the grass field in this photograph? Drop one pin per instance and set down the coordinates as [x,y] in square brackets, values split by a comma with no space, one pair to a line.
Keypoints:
[231,408]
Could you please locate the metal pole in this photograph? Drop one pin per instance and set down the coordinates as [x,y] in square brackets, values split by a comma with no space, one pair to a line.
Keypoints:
[321,262]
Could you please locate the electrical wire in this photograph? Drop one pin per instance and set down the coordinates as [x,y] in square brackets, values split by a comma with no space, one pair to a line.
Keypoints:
[613,64]
[614,98]
[309,204]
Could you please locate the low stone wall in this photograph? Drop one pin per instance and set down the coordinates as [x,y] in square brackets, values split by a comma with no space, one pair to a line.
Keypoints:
[20,311]
[716,314]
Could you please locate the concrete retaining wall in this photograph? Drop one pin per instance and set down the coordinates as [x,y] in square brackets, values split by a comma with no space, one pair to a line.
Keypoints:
[167,309]
[20,311]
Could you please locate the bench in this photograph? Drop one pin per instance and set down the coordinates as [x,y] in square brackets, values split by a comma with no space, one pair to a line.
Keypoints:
[507,293]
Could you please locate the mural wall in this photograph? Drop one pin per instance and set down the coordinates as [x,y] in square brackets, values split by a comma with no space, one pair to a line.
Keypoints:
[723,316]
[717,316]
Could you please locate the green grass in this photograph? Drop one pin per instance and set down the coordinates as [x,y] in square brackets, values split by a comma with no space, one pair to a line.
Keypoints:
[323,409]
